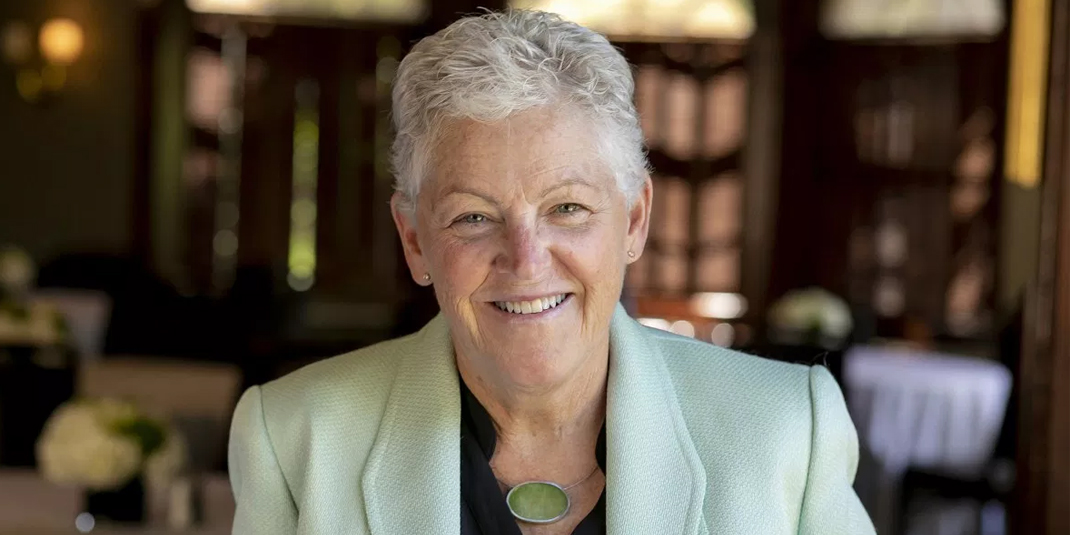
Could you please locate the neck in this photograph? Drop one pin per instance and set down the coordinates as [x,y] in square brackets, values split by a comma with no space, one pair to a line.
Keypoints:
[528,419]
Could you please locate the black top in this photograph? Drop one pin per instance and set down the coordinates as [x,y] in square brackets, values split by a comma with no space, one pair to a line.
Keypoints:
[483,507]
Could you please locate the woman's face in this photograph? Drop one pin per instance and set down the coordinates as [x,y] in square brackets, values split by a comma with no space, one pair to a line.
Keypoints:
[525,234]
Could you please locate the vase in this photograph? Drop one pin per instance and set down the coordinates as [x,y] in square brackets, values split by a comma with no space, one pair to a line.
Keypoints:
[123,505]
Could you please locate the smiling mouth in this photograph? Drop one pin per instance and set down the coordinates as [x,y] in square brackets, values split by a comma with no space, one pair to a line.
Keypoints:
[531,307]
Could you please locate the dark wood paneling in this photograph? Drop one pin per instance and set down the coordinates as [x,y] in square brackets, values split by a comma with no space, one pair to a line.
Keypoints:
[830,190]
[801,50]
[1043,505]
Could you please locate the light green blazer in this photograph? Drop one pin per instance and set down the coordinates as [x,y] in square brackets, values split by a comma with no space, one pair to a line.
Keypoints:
[700,440]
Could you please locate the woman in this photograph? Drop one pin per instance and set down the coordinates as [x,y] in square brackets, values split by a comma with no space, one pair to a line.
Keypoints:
[522,195]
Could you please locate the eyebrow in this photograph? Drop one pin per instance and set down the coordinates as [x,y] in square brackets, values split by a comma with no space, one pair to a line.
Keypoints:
[568,183]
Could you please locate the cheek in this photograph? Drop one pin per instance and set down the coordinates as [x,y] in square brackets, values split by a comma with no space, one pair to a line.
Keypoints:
[462,265]
[593,257]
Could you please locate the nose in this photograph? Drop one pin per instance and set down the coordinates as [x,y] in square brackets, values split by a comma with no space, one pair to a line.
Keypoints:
[526,255]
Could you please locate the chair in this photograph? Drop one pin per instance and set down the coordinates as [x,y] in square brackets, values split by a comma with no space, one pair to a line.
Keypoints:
[87,313]
[147,315]
[996,483]
[197,396]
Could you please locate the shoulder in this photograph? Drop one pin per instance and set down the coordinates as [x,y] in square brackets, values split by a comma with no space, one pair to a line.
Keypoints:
[348,392]
[313,411]
[362,372]
[723,390]
[696,366]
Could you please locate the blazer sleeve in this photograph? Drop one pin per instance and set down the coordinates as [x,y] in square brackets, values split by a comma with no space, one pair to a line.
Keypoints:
[264,503]
[830,505]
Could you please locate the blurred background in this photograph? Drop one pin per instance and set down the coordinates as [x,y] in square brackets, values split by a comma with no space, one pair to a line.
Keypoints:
[194,199]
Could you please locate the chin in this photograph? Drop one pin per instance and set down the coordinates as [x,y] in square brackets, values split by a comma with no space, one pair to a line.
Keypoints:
[535,369]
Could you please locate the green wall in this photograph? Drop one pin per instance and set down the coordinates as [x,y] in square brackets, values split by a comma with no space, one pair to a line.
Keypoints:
[66,169]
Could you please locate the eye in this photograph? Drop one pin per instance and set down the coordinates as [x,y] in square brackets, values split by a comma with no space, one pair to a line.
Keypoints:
[567,208]
[472,219]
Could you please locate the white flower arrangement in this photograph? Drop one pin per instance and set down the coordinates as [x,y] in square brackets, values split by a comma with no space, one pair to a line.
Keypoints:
[802,315]
[101,444]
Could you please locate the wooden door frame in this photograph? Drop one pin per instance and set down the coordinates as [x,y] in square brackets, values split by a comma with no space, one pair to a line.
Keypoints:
[1043,497]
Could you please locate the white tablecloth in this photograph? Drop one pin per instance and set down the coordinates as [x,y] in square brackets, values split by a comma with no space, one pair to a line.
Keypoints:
[924,410]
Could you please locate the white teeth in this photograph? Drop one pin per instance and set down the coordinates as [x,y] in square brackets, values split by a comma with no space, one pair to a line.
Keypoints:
[531,307]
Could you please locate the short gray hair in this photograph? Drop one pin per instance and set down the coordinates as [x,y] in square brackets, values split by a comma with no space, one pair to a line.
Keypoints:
[489,67]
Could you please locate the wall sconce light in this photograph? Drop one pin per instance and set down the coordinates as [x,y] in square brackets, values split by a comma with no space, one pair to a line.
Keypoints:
[41,71]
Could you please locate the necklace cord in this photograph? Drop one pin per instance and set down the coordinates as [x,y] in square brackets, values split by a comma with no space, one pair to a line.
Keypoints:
[510,487]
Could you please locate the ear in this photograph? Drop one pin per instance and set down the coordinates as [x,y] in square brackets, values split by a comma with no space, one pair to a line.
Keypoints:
[410,242]
[639,219]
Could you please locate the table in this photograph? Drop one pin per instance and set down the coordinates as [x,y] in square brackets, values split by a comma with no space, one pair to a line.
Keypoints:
[112,531]
[923,410]
[33,506]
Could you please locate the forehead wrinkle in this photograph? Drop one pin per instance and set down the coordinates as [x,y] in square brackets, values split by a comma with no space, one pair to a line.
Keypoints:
[540,172]
[465,190]
[570,182]
[526,153]
[573,161]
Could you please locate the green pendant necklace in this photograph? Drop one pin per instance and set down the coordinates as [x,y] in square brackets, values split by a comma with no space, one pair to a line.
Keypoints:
[541,502]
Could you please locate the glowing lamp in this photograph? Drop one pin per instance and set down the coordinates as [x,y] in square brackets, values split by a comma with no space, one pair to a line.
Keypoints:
[61,41]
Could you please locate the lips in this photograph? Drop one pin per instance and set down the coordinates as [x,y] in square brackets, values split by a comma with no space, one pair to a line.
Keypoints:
[534,306]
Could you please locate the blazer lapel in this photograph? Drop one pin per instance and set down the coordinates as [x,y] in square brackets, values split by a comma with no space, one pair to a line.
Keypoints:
[655,480]
[411,482]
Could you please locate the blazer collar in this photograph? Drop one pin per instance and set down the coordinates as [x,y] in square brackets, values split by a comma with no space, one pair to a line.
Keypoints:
[412,480]
[656,482]
[655,479]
